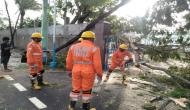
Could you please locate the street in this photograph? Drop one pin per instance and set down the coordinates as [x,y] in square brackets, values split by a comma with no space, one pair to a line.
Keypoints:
[16,93]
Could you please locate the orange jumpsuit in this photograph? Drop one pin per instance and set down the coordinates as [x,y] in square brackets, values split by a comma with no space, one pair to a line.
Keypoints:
[118,59]
[34,57]
[84,60]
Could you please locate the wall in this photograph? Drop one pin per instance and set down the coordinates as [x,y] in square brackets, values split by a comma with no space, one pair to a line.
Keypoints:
[63,34]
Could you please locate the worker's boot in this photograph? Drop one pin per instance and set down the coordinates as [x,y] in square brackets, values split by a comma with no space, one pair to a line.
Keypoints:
[86,106]
[6,69]
[123,80]
[72,105]
[40,81]
[107,77]
[34,85]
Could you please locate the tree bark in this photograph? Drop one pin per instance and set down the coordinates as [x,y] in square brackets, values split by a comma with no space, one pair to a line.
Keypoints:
[22,19]
[10,25]
[92,24]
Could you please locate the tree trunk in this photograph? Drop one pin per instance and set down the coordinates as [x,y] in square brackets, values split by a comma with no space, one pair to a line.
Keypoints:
[12,32]
[22,19]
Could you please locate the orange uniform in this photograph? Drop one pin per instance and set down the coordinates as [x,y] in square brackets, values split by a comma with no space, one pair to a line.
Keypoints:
[118,59]
[84,61]
[34,57]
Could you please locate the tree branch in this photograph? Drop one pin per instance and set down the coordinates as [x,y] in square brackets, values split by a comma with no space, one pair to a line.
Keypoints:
[92,24]
[185,83]
[77,14]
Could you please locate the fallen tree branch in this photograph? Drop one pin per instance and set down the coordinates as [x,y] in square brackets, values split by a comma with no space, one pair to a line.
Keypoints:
[92,24]
[181,101]
[142,82]
[185,83]
[164,104]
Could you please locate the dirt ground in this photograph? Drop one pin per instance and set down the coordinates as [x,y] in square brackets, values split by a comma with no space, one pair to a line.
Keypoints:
[112,94]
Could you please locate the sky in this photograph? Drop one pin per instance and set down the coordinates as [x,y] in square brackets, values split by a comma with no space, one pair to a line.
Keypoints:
[135,8]
[132,9]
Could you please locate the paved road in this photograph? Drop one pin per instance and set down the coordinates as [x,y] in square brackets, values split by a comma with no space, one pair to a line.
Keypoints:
[16,94]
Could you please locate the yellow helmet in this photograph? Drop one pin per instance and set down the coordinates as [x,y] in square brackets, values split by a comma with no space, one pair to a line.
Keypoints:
[36,35]
[88,34]
[80,39]
[123,46]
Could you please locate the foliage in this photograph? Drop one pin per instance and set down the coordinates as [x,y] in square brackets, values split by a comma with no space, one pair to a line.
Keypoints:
[178,93]
[118,24]
[183,72]
[30,23]
[140,25]
[160,50]
[25,5]
[85,10]
[2,24]
[61,60]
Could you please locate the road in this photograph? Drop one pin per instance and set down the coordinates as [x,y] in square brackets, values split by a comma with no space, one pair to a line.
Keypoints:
[16,93]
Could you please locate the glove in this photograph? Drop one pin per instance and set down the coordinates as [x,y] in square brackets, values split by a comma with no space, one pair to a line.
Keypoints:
[69,74]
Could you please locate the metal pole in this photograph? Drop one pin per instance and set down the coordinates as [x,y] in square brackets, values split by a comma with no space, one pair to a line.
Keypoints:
[44,29]
[53,63]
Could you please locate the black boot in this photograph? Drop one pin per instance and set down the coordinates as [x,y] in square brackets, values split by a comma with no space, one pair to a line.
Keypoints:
[123,79]
[72,105]
[40,81]
[33,85]
[86,106]
[6,68]
[32,81]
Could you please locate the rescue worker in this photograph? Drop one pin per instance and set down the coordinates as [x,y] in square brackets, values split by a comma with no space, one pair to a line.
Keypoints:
[84,63]
[5,53]
[34,61]
[118,60]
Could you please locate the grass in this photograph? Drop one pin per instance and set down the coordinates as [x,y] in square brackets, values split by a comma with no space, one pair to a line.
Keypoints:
[178,93]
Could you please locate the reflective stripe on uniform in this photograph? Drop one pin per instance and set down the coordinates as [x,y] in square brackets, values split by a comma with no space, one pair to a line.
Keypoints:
[81,52]
[36,54]
[86,98]
[83,62]
[32,66]
[74,96]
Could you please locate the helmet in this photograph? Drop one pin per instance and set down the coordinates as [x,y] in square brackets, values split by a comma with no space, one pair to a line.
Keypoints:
[123,46]
[88,34]
[36,35]
[80,39]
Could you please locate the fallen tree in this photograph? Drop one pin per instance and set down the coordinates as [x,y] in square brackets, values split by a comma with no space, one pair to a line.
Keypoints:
[183,82]
[92,24]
